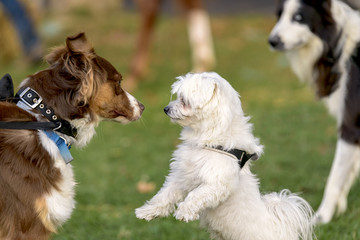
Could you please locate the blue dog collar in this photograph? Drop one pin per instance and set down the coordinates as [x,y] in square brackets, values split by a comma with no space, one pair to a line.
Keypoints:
[61,144]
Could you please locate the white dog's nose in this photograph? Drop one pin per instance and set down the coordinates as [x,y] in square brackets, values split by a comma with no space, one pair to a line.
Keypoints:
[166,109]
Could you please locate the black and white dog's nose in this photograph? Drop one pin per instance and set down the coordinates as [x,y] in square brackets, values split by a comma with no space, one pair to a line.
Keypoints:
[166,109]
[276,43]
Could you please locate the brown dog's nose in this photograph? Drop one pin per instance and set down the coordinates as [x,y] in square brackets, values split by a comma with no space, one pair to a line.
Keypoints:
[141,106]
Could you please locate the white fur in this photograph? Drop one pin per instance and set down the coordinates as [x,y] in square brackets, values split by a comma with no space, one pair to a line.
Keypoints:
[136,110]
[293,34]
[60,202]
[85,131]
[209,185]
[302,56]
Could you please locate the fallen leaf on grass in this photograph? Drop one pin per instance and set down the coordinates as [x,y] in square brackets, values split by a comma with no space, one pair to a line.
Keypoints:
[145,187]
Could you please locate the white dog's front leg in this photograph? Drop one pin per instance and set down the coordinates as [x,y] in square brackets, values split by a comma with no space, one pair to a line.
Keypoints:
[205,196]
[162,204]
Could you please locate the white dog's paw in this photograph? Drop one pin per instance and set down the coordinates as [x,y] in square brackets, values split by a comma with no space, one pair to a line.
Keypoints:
[186,214]
[149,212]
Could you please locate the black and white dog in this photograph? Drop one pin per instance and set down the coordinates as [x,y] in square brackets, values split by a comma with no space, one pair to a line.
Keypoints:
[321,39]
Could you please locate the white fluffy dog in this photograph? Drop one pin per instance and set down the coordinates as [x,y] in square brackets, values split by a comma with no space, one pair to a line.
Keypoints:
[209,178]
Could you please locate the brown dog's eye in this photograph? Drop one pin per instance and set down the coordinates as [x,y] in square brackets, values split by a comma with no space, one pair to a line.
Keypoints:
[81,103]
[118,89]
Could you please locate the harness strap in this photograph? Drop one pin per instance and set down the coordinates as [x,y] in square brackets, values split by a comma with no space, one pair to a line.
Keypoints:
[29,125]
[240,155]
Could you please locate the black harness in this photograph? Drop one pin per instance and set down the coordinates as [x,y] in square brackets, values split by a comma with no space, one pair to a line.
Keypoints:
[240,155]
[28,99]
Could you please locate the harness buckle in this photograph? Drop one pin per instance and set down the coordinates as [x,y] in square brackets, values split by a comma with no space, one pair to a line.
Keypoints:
[27,97]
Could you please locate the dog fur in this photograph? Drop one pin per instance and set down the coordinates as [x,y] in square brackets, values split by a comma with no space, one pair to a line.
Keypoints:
[36,185]
[208,184]
[321,39]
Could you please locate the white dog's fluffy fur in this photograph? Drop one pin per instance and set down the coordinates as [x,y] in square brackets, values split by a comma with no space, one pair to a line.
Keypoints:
[208,184]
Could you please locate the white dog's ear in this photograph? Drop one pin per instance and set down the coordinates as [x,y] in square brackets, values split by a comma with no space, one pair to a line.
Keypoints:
[196,89]
[205,94]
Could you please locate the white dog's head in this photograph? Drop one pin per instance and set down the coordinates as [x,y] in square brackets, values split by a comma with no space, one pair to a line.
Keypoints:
[203,97]
[210,110]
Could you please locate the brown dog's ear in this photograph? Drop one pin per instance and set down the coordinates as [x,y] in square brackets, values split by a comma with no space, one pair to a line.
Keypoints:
[79,44]
[76,45]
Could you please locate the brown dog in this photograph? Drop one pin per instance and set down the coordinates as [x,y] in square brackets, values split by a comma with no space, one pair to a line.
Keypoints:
[78,90]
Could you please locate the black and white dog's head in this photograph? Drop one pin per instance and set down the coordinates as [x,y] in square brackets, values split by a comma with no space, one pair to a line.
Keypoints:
[300,21]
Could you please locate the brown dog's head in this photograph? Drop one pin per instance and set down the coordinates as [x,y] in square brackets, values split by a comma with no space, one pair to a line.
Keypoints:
[83,87]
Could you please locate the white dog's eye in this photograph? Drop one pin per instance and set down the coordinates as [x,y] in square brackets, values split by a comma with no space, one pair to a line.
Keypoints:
[182,101]
[298,17]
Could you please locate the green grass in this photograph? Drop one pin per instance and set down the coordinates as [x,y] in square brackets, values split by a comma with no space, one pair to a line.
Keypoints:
[298,134]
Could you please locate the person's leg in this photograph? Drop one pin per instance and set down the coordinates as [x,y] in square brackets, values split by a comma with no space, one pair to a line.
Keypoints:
[24,27]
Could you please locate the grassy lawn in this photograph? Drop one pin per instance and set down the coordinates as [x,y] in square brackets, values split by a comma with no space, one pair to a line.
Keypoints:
[298,134]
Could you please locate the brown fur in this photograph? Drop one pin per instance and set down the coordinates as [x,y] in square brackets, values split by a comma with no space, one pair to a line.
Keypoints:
[75,81]
[78,84]
[41,209]
[26,173]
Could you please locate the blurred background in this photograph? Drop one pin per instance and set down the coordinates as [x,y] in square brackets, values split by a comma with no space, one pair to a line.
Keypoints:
[124,166]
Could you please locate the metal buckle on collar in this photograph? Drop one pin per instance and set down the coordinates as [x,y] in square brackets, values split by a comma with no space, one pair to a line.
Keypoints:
[29,98]
[28,93]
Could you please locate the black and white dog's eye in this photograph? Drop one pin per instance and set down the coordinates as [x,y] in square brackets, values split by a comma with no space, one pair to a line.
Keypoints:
[298,17]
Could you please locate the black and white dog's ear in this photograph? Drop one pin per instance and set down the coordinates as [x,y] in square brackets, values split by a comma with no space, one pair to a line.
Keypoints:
[6,87]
